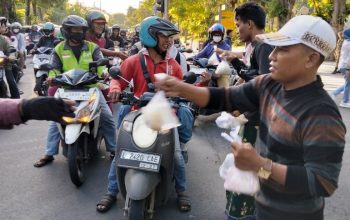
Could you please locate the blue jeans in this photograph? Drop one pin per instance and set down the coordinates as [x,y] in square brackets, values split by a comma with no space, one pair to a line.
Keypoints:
[345,87]
[185,133]
[107,129]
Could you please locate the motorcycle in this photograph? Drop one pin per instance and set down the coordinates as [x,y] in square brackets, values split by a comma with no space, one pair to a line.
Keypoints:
[80,134]
[41,57]
[145,158]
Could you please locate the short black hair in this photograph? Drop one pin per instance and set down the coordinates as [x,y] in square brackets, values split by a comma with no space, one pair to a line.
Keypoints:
[251,11]
[228,31]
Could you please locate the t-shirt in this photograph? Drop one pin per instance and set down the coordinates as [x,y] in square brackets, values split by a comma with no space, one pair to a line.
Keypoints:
[131,70]
[301,128]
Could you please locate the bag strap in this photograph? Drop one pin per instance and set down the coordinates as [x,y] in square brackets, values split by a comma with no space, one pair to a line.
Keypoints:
[178,58]
[150,85]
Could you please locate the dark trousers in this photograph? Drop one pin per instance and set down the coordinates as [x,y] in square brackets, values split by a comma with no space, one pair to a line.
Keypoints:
[12,84]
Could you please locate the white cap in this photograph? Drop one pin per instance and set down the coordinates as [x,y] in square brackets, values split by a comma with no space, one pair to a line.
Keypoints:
[311,31]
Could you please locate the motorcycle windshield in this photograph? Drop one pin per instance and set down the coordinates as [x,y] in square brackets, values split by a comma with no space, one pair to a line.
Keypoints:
[45,50]
[76,77]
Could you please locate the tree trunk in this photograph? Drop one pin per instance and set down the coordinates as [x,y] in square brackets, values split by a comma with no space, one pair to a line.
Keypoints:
[27,14]
[337,22]
[288,6]
[40,14]
[34,8]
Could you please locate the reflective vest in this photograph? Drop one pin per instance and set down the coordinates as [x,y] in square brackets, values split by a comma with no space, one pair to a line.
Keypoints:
[69,61]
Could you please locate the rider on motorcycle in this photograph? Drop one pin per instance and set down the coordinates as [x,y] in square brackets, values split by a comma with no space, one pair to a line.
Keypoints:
[156,35]
[74,53]
[5,47]
[217,32]
[48,39]
[115,37]
[97,25]
[21,47]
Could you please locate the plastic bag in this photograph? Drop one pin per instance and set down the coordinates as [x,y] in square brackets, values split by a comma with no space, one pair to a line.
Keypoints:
[158,113]
[223,68]
[213,60]
[227,121]
[237,180]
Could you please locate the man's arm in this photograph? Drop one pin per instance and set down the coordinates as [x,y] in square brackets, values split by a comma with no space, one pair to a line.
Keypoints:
[57,65]
[111,53]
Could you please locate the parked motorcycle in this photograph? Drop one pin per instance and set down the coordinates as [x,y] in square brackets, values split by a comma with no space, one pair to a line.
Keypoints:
[145,158]
[81,134]
[41,57]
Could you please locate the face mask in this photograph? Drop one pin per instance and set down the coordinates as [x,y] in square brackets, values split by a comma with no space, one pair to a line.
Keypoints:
[15,31]
[77,37]
[217,39]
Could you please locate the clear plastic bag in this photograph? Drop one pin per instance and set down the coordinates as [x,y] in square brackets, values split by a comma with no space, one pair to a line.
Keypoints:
[237,180]
[213,60]
[158,113]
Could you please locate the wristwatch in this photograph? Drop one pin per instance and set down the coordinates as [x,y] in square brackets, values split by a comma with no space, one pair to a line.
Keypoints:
[264,171]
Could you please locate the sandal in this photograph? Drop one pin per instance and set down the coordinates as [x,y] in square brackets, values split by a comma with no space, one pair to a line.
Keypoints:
[105,203]
[183,203]
[44,161]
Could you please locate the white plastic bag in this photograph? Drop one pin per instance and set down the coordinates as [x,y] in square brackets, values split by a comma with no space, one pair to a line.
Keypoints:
[158,113]
[237,180]
[213,60]
[227,121]
[223,68]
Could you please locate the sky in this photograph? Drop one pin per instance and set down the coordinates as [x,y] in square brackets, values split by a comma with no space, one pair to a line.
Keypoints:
[111,6]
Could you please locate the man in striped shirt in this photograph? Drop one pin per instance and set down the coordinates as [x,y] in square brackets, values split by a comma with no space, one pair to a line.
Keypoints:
[302,136]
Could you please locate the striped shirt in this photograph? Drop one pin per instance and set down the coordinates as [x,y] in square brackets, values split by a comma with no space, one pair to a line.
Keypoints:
[300,128]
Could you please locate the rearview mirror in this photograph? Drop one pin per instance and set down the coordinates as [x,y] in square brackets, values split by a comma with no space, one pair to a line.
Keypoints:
[114,72]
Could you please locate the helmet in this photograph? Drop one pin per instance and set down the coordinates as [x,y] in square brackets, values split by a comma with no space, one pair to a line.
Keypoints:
[217,28]
[73,21]
[95,15]
[122,32]
[346,34]
[3,21]
[16,27]
[115,26]
[153,25]
[34,27]
[48,28]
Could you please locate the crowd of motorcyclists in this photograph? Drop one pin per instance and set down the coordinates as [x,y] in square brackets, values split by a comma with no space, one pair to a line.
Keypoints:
[153,49]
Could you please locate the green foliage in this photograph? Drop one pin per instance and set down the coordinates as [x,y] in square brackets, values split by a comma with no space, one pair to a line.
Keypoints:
[276,8]
[117,18]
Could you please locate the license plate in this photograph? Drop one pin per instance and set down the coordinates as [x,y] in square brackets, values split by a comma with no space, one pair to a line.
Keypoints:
[137,160]
[75,95]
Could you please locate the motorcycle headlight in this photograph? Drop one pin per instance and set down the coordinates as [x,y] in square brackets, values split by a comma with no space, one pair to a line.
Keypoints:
[143,135]
[82,116]
[2,60]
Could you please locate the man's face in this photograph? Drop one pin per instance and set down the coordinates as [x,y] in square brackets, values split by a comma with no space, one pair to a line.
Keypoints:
[115,32]
[244,30]
[288,63]
[77,30]
[2,29]
[98,26]
[164,42]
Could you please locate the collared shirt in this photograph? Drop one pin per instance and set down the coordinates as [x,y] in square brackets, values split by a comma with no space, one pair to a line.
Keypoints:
[131,70]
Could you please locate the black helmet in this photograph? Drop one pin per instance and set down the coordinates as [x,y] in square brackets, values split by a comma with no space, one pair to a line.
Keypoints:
[73,21]
[34,27]
[48,28]
[3,21]
[153,25]
[115,26]
[95,15]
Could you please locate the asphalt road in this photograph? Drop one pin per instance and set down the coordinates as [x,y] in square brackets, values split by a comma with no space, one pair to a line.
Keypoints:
[29,193]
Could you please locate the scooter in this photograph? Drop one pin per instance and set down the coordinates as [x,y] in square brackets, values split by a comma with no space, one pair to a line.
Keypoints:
[144,158]
[80,134]
[41,56]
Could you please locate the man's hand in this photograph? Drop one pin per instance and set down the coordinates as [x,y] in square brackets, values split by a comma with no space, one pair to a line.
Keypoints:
[49,81]
[246,157]
[229,55]
[348,73]
[114,96]
[46,108]
[205,77]
[170,85]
